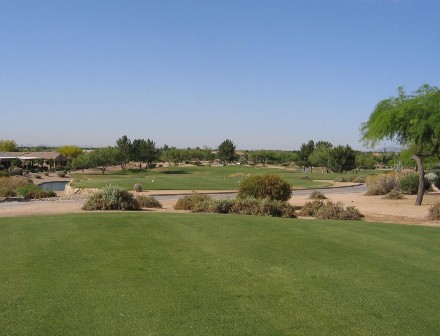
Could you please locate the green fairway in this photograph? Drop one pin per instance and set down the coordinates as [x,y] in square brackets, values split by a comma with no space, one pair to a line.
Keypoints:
[193,274]
[197,178]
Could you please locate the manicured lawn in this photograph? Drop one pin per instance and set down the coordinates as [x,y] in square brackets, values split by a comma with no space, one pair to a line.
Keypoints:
[196,178]
[193,274]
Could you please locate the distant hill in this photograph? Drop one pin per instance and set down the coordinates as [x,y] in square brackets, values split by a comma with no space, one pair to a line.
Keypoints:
[394,149]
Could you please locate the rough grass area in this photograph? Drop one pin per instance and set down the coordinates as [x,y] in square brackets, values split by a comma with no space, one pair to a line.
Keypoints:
[190,274]
[198,178]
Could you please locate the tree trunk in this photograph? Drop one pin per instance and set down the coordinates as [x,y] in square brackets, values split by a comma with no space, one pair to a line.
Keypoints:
[421,190]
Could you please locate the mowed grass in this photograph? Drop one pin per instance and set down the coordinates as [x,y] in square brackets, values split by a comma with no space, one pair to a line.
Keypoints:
[197,178]
[192,274]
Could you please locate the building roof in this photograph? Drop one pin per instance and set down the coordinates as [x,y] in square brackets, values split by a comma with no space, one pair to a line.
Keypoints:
[33,156]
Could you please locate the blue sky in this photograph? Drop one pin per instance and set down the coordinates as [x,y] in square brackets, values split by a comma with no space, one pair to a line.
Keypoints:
[266,74]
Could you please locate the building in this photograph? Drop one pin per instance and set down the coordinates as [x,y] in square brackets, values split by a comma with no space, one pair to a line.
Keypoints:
[33,159]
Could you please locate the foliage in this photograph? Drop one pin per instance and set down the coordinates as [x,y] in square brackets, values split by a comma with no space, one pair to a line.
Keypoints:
[330,210]
[320,157]
[8,146]
[192,202]
[16,171]
[71,151]
[317,195]
[138,187]
[102,158]
[148,202]
[365,160]
[32,191]
[111,198]
[409,184]
[61,173]
[125,150]
[381,184]
[304,153]
[394,194]
[431,177]
[265,186]
[342,159]
[410,119]
[434,211]
[226,151]
[144,151]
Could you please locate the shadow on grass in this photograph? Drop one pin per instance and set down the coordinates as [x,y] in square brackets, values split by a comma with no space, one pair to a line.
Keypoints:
[175,172]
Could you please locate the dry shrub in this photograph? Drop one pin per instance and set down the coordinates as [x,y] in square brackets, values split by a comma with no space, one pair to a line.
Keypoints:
[31,191]
[434,211]
[138,187]
[194,202]
[148,202]
[9,185]
[394,194]
[330,210]
[381,184]
[317,195]
[265,186]
[111,198]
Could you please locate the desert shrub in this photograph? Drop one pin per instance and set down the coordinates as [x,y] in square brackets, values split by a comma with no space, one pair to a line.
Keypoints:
[7,192]
[111,198]
[14,182]
[359,179]
[16,171]
[32,191]
[409,184]
[262,207]
[431,177]
[38,176]
[381,184]
[434,211]
[61,173]
[46,173]
[317,195]
[310,209]
[148,202]
[222,206]
[194,201]
[394,194]
[265,186]
[3,173]
[138,187]
[330,210]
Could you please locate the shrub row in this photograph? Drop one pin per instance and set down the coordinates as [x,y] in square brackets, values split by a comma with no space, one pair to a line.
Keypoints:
[196,202]
[351,178]
[330,210]
[382,184]
[116,198]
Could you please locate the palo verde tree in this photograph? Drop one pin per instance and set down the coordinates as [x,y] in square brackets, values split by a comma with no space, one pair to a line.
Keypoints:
[226,151]
[410,119]
[8,146]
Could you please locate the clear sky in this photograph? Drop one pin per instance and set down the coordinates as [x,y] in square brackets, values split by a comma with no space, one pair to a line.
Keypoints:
[267,74]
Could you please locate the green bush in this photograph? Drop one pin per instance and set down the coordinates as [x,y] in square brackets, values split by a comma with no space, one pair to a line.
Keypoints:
[16,171]
[434,211]
[148,202]
[330,210]
[32,191]
[381,184]
[265,186]
[409,184]
[138,187]
[111,198]
[194,201]
[61,173]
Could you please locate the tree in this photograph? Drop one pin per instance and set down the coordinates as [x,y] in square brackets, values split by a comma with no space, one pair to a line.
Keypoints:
[102,158]
[365,160]
[226,151]
[304,154]
[71,151]
[8,146]
[320,157]
[125,150]
[144,152]
[342,159]
[411,120]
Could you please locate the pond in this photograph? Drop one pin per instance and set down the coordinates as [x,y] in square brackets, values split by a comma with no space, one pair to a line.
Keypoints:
[54,186]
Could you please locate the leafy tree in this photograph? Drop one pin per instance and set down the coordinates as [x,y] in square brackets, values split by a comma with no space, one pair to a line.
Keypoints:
[102,158]
[125,150]
[304,153]
[80,162]
[342,159]
[410,119]
[365,160]
[144,151]
[226,151]
[71,151]
[320,157]
[8,146]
